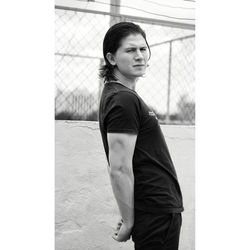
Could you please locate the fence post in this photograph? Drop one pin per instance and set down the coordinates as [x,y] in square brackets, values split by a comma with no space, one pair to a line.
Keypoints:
[114,9]
[169,81]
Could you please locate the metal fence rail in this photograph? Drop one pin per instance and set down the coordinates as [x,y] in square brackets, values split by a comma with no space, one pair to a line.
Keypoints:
[168,87]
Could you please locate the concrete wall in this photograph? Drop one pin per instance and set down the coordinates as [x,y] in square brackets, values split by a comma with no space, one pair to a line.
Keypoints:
[85,209]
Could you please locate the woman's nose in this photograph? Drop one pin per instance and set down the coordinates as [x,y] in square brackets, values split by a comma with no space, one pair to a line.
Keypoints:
[138,55]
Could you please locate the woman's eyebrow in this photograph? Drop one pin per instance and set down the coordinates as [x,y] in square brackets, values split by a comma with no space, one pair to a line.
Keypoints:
[134,46]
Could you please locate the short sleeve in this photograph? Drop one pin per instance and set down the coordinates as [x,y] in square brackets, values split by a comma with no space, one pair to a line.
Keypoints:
[123,115]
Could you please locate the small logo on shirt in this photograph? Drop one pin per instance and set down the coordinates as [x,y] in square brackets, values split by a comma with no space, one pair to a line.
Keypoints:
[151,113]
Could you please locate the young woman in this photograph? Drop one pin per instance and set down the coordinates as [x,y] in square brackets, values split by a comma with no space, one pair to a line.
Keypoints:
[142,174]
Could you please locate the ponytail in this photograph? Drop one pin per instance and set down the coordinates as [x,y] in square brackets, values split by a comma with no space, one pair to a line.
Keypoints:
[107,72]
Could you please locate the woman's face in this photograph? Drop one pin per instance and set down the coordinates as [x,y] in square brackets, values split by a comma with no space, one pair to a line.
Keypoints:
[132,56]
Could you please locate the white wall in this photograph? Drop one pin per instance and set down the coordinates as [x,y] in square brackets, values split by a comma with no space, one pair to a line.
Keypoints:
[86,212]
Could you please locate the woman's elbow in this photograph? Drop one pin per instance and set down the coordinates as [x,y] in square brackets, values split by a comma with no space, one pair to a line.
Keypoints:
[121,169]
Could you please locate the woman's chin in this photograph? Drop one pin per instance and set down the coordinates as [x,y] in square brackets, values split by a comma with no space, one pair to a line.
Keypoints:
[139,74]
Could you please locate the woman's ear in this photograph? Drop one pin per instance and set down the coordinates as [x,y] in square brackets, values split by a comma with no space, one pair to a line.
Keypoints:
[110,58]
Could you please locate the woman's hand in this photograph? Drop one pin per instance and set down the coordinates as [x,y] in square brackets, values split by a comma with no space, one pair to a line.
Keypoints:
[123,232]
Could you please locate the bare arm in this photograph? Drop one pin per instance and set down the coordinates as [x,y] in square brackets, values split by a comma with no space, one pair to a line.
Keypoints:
[121,150]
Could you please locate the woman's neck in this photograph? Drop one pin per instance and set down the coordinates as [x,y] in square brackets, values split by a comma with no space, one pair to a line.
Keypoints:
[127,82]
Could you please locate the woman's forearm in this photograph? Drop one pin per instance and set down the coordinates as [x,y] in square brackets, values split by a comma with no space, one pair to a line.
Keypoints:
[123,188]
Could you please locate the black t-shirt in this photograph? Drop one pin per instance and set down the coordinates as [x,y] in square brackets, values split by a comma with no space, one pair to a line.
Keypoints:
[156,186]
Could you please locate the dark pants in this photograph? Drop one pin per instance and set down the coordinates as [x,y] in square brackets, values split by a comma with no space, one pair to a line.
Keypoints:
[156,232]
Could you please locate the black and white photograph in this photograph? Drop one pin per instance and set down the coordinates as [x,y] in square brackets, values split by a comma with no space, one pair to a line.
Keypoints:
[125,125]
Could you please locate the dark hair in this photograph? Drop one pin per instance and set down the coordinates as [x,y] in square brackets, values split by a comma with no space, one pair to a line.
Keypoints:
[112,42]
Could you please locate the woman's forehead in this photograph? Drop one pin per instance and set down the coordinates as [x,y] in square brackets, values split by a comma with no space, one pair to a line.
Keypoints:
[133,40]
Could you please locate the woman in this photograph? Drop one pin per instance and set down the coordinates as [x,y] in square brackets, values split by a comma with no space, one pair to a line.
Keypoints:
[142,174]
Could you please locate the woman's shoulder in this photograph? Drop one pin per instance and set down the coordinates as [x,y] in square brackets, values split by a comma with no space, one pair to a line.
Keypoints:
[126,95]
[117,94]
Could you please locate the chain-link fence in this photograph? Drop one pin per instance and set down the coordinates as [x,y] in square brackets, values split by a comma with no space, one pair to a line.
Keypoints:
[168,87]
